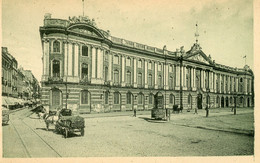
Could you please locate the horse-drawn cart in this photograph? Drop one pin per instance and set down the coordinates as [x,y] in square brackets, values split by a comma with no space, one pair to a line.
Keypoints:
[69,123]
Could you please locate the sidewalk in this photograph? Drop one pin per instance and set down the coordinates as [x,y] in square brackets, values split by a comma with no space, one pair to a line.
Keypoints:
[219,119]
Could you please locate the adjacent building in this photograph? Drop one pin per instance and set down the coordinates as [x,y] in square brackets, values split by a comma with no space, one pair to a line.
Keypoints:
[86,68]
[17,82]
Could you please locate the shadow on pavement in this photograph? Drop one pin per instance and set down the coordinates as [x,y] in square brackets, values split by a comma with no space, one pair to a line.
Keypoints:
[45,129]
[152,120]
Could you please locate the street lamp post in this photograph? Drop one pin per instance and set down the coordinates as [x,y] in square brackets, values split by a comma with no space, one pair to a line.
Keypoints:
[181,59]
[207,107]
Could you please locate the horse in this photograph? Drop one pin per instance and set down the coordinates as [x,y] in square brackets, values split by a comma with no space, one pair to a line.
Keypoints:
[50,117]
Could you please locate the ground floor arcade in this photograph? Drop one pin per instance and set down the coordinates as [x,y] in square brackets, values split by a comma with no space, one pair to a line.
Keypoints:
[89,98]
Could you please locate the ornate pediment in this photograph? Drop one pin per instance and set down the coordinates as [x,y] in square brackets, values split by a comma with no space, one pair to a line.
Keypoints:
[85,31]
[199,58]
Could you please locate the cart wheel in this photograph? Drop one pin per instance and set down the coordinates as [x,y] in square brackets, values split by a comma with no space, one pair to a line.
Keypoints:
[66,133]
[82,132]
[57,129]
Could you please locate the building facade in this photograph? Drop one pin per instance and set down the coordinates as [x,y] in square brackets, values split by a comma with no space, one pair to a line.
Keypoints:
[9,74]
[88,69]
[16,82]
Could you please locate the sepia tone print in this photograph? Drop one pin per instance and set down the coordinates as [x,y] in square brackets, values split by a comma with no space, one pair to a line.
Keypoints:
[175,82]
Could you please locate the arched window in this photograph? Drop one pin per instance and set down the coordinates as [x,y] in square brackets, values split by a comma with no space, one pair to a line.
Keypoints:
[172,99]
[140,79]
[116,76]
[56,46]
[129,98]
[84,51]
[56,97]
[116,98]
[128,77]
[84,97]
[84,71]
[56,68]
[140,98]
[150,77]
[128,61]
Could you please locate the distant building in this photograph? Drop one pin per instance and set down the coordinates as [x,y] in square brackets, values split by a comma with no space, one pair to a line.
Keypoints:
[87,67]
[9,74]
[16,82]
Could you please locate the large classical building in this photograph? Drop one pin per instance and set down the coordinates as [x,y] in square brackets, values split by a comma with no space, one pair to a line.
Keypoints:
[86,68]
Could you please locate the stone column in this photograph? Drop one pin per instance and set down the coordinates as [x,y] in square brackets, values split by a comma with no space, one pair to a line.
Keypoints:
[123,70]
[228,85]
[215,82]
[66,59]
[93,59]
[245,90]
[135,83]
[76,60]
[45,59]
[250,86]
[177,86]
[237,84]
[184,85]
[70,60]
[145,74]
[166,79]
[191,76]
[194,80]
[155,75]
[109,67]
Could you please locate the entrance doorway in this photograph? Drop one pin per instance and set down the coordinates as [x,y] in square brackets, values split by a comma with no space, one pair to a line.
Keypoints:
[222,102]
[199,101]
[248,102]
[226,101]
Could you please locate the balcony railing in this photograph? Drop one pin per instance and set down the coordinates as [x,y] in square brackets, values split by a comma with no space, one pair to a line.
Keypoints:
[84,81]
[128,85]
[116,84]
[55,79]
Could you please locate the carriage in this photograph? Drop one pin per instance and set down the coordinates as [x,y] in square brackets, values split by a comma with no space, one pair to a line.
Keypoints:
[69,123]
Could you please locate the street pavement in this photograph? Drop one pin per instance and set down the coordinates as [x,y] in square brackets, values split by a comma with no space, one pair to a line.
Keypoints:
[119,134]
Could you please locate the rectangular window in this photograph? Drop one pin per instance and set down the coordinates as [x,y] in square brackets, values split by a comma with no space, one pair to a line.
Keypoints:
[84,51]
[139,79]
[128,98]
[139,64]
[159,67]
[150,99]
[140,99]
[116,77]
[150,65]
[128,77]
[128,62]
[116,98]
[106,98]
[84,73]
[150,80]
[116,59]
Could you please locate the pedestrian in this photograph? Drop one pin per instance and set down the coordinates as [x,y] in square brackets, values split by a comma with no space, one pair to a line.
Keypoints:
[196,110]
[134,112]
[207,110]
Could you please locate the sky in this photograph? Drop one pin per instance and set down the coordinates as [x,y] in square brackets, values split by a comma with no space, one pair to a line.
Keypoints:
[225,26]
